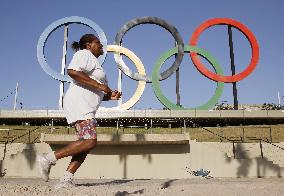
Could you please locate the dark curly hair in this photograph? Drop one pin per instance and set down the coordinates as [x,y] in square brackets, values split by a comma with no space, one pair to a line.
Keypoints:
[87,38]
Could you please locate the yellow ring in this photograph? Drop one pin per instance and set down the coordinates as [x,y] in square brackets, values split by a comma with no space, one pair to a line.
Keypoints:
[141,70]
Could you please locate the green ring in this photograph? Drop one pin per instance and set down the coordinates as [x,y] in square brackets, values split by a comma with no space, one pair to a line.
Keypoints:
[156,72]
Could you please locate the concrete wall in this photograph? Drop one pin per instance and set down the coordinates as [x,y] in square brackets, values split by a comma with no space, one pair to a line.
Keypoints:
[140,162]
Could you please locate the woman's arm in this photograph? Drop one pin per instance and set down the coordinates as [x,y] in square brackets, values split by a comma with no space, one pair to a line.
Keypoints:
[83,79]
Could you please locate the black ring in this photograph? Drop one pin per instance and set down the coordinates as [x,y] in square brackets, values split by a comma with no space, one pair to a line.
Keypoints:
[162,23]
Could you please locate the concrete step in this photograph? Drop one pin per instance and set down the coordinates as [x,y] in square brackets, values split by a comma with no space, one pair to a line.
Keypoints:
[121,139]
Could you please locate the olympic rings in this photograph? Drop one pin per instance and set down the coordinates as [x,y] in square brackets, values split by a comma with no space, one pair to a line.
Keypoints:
[46,33]
[141,84]
[168,103]
[251,38]
[155,76]
[149,20]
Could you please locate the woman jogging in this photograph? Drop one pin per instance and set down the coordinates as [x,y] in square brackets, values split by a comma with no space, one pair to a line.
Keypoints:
[81,102]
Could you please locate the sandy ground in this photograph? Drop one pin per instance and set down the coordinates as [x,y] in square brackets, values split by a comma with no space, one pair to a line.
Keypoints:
[197,186]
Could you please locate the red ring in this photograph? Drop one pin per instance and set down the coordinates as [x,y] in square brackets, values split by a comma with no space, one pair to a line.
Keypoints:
[251,38]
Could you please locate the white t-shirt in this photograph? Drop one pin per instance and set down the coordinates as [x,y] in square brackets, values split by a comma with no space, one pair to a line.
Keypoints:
[81,103]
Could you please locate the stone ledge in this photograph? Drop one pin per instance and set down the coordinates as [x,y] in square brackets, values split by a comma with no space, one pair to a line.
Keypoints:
[121,139]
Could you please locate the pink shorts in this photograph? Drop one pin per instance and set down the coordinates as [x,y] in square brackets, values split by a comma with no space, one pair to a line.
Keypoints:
[86,129]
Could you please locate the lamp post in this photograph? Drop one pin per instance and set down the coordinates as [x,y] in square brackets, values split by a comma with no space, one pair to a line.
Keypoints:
[16,96]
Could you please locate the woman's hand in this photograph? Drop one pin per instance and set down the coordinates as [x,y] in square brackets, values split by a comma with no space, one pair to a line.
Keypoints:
[115,95]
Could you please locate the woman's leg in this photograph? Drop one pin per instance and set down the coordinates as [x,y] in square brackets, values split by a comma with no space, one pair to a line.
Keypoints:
[76,162]
[77,159]
[76,148]
[86,131]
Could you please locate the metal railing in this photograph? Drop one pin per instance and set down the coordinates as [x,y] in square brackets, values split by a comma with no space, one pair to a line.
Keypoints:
[260,140]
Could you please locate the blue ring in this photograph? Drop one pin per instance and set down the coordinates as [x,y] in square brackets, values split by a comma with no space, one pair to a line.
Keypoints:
[46,33]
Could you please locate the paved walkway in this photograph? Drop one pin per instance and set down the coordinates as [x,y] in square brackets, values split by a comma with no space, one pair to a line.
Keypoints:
[193,187]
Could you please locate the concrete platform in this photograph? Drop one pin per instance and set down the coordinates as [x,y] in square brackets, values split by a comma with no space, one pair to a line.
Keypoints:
[149,117]
[113,114]
[121,139]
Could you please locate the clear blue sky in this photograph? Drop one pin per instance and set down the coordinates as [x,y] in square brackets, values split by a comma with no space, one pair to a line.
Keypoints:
[22,22]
